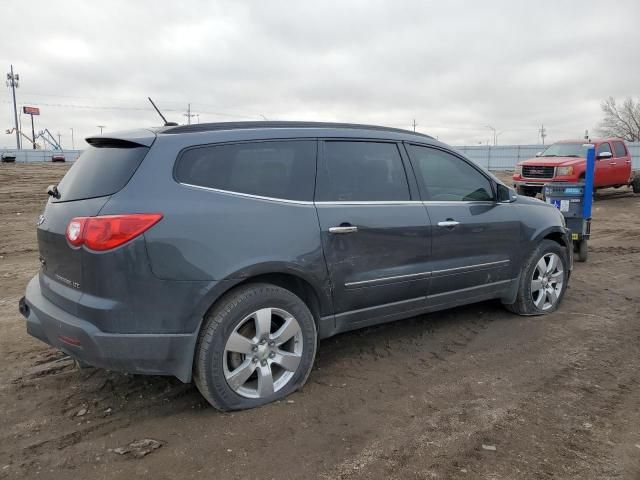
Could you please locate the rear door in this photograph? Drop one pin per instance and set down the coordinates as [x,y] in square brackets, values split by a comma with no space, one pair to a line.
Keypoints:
[475,239]
[622,163]
[375,232]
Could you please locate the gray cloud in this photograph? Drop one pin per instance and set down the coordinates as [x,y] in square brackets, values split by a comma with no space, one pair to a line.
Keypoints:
[453,66]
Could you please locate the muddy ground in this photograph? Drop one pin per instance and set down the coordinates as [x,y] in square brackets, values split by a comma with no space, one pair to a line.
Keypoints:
[552,397]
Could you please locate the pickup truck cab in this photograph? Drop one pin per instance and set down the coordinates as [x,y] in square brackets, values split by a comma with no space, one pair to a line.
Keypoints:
[565,161]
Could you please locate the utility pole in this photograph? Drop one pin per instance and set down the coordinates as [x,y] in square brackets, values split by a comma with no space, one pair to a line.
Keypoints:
[543,133]
[414,124]
[33,133]
[13,82]
[189,114]
[59,141]
[73,145]
[101,127]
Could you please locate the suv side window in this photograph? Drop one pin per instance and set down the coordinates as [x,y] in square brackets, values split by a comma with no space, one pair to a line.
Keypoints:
[445,177]
[602,148]
[620,149]
[361,171]
[276,169]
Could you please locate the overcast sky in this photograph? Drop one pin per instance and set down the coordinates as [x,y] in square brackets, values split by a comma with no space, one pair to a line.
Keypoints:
[453,66]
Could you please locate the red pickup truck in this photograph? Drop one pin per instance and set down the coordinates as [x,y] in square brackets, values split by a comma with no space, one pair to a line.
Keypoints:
[566,162]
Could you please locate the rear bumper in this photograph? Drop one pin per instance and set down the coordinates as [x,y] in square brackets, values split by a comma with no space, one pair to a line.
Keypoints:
[150,354]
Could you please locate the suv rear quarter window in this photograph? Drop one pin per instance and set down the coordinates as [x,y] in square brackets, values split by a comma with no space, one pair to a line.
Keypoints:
[361,171]
[274,169]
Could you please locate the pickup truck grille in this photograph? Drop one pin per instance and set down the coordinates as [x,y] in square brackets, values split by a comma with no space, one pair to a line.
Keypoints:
[537,172]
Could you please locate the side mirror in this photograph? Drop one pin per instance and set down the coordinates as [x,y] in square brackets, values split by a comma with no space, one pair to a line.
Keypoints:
[539,154]
[604,155]
[505,194]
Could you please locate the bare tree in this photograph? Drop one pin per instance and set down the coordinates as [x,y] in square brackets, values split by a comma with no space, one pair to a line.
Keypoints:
[621,121]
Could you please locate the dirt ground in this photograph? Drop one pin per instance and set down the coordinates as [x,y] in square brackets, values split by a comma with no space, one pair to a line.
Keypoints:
[473,392]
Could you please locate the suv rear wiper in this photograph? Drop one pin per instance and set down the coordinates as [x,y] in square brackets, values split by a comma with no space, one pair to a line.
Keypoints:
[52,190]
[548,155]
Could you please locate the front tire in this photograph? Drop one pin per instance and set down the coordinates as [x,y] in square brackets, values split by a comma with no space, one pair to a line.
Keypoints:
[257,345]
[543,280]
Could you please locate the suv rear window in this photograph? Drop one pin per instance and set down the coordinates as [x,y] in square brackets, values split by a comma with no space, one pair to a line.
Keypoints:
[101,171]
[275,169]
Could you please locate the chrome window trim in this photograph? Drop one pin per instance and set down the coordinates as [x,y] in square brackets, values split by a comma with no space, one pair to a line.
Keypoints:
[248,195]
[371,202]
[346,202]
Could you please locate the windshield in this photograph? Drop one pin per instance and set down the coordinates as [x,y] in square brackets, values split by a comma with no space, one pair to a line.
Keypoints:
[566,150]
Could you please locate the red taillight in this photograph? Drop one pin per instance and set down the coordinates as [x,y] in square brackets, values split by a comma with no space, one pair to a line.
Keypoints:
[109,231]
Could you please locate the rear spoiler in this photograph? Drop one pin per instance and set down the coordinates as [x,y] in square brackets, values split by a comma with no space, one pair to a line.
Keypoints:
[126,139]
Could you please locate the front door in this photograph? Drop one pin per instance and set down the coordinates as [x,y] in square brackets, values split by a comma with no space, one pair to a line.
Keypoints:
[376,236]
[605,166]
[475,239]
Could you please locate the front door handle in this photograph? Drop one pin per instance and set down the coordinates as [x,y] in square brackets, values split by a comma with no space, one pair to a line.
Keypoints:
[448,223]
[344,229]
[612,163]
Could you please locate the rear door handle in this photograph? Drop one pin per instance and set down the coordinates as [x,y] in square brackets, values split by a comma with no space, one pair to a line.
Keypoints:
[344,229]
[612,163]
[448,223]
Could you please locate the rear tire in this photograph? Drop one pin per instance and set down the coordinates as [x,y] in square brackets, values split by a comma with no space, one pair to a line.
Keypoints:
[257,345]
[635,184]
[543,280]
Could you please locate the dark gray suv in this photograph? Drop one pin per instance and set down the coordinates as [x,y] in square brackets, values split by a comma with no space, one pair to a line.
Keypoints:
[223,252]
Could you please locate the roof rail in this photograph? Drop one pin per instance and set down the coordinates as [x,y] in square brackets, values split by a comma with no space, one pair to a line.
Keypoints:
[208,127]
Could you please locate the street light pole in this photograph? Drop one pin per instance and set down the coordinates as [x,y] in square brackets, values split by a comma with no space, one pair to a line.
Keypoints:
[13,82]
[101,127]
[495,137]
[73,145]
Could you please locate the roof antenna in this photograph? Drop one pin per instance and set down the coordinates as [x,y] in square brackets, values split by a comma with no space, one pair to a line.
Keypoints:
[166,124]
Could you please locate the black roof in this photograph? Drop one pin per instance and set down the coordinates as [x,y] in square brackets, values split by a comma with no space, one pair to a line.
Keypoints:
[208,127]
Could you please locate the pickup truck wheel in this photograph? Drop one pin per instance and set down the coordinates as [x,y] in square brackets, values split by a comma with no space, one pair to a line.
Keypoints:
[635,184]
[257,345]
[582,251]
[543,280]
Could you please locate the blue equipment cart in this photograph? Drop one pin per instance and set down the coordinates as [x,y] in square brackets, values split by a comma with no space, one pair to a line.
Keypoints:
[574,201]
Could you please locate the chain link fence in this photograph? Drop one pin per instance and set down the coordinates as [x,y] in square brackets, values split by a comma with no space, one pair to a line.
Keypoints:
[500,157]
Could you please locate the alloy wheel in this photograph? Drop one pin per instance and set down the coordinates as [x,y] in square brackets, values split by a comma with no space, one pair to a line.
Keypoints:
[547,281]
[263,353]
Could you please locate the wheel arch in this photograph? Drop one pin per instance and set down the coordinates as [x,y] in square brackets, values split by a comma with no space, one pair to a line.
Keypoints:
[315,292]
[558,237]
